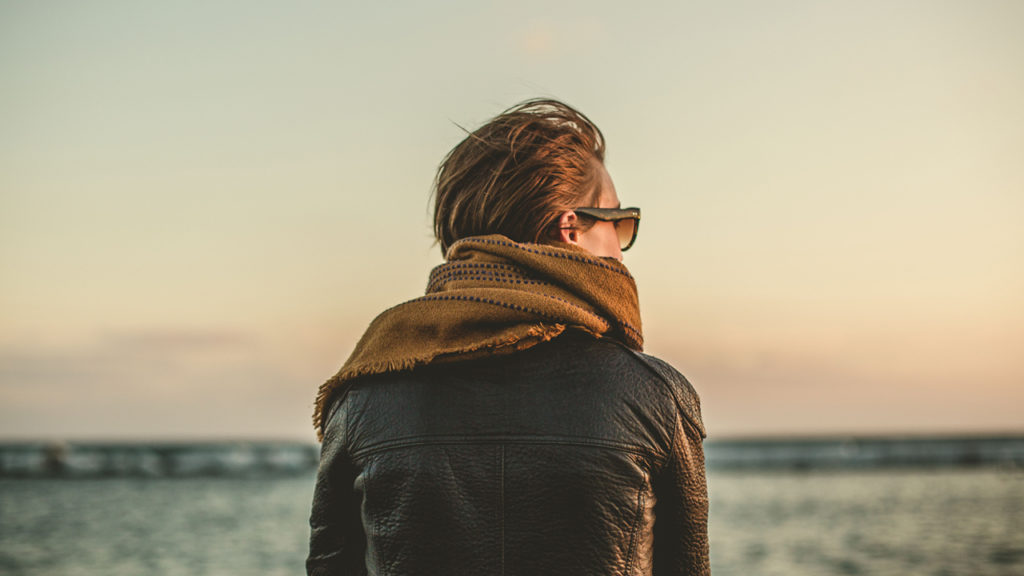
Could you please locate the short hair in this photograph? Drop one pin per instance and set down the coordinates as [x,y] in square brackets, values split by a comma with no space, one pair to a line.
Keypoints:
[516,174]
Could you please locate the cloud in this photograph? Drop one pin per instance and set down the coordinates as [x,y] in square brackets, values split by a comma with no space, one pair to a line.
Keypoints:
[537,39]
[153,383]
[178,340]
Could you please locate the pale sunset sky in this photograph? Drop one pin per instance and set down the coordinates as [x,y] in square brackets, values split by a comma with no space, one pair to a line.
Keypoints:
[203,204]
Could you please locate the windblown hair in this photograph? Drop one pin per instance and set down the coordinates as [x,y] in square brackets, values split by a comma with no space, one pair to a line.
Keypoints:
[518,173]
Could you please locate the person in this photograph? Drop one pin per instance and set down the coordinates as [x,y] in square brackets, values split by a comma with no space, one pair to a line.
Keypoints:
[507,422]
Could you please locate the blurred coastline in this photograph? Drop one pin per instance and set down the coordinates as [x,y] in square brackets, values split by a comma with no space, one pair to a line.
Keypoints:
[794,507]
[267,458]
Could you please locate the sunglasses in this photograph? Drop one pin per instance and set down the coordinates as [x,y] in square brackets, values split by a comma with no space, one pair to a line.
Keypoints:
[626,220]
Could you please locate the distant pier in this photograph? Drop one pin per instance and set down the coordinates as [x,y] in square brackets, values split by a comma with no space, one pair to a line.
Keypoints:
[866,452]
[234,459]
[81,460]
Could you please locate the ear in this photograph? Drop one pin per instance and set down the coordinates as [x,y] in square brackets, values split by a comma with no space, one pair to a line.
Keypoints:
[566,228]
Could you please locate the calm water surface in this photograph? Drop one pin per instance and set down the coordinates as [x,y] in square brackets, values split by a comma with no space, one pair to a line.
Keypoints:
[877,522]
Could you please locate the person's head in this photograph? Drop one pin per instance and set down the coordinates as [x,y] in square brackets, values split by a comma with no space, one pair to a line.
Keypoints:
[522,175]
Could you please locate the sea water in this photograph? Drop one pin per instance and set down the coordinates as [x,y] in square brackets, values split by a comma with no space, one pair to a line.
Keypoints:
[764,521]
[154,526]
[934,522]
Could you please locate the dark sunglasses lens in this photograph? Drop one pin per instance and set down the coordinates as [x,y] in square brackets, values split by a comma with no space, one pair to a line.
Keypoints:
[626,228]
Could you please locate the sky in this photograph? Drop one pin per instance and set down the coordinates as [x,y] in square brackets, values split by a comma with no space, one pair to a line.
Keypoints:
[203,204]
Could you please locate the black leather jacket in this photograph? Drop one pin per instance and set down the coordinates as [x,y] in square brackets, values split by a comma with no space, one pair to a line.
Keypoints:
[576,456]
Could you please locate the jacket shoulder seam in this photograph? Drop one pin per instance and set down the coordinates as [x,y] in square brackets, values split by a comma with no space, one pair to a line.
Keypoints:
[676,383]
[449,439]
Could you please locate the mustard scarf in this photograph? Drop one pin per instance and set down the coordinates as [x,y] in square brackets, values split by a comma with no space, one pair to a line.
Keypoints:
[495,296]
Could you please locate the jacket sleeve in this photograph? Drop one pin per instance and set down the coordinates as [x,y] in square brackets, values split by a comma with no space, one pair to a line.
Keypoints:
[681,509]
[680,486]
[336,539]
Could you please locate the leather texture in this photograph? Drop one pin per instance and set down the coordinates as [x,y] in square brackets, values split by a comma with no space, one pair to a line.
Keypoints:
[576,456]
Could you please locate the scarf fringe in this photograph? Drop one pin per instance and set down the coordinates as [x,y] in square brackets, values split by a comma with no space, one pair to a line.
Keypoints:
[535,335]
[563,287]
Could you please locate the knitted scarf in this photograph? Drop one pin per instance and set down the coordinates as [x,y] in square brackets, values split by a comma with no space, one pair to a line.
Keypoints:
[495,296]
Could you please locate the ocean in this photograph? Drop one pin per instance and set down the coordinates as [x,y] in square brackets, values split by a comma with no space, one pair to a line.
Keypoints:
[832,507]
